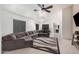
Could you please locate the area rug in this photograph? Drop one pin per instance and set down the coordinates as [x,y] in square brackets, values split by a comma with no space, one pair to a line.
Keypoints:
[47,44]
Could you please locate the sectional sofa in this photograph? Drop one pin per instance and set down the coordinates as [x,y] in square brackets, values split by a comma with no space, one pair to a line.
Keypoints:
[18,40]
[31,39]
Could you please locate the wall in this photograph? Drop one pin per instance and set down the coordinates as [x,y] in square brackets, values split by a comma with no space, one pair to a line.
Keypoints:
[67,23]
[7,22]
[30,25]
[51,19]
[56,18]
[75,10]
[0,28]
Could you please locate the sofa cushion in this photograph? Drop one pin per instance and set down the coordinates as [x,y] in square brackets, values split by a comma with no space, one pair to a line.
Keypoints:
[7,37]
[32,32]
[26,33]
[29,32]
[13,35]
[77,32]
[19,35]
[13,44]
[26,38]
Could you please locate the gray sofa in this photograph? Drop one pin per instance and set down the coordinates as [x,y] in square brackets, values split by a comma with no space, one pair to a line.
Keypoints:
[18,40]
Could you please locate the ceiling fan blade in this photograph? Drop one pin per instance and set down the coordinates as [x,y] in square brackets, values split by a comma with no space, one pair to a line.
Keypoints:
[49,7]
[47,11]
[39,5]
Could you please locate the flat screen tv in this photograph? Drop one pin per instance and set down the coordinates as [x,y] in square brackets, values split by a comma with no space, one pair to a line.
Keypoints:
[76,19]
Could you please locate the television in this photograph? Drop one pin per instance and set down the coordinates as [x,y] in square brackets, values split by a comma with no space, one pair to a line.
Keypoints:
[76,19]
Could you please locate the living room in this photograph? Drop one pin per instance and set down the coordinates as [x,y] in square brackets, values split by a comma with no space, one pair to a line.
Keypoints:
[59,22]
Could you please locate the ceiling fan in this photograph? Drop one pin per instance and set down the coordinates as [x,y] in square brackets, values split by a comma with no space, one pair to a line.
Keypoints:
[42,6]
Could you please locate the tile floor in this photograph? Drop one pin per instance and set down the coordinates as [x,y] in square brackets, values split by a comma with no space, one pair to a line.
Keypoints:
[66,47]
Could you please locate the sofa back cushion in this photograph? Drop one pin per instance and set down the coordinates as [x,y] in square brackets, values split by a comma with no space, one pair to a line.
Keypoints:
[26,33]
[77,32]
[30,32]
[26,38]
[8,37]
[19,35]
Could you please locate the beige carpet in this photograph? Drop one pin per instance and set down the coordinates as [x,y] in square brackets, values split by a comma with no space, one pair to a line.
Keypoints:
[66,47]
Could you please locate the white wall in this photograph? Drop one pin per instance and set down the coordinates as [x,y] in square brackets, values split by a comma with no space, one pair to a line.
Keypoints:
[67,23]
[7,22]
[57,19]
[30,25]
[0,28]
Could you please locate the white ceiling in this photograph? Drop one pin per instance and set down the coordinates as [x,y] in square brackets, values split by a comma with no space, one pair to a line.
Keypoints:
[27,9]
